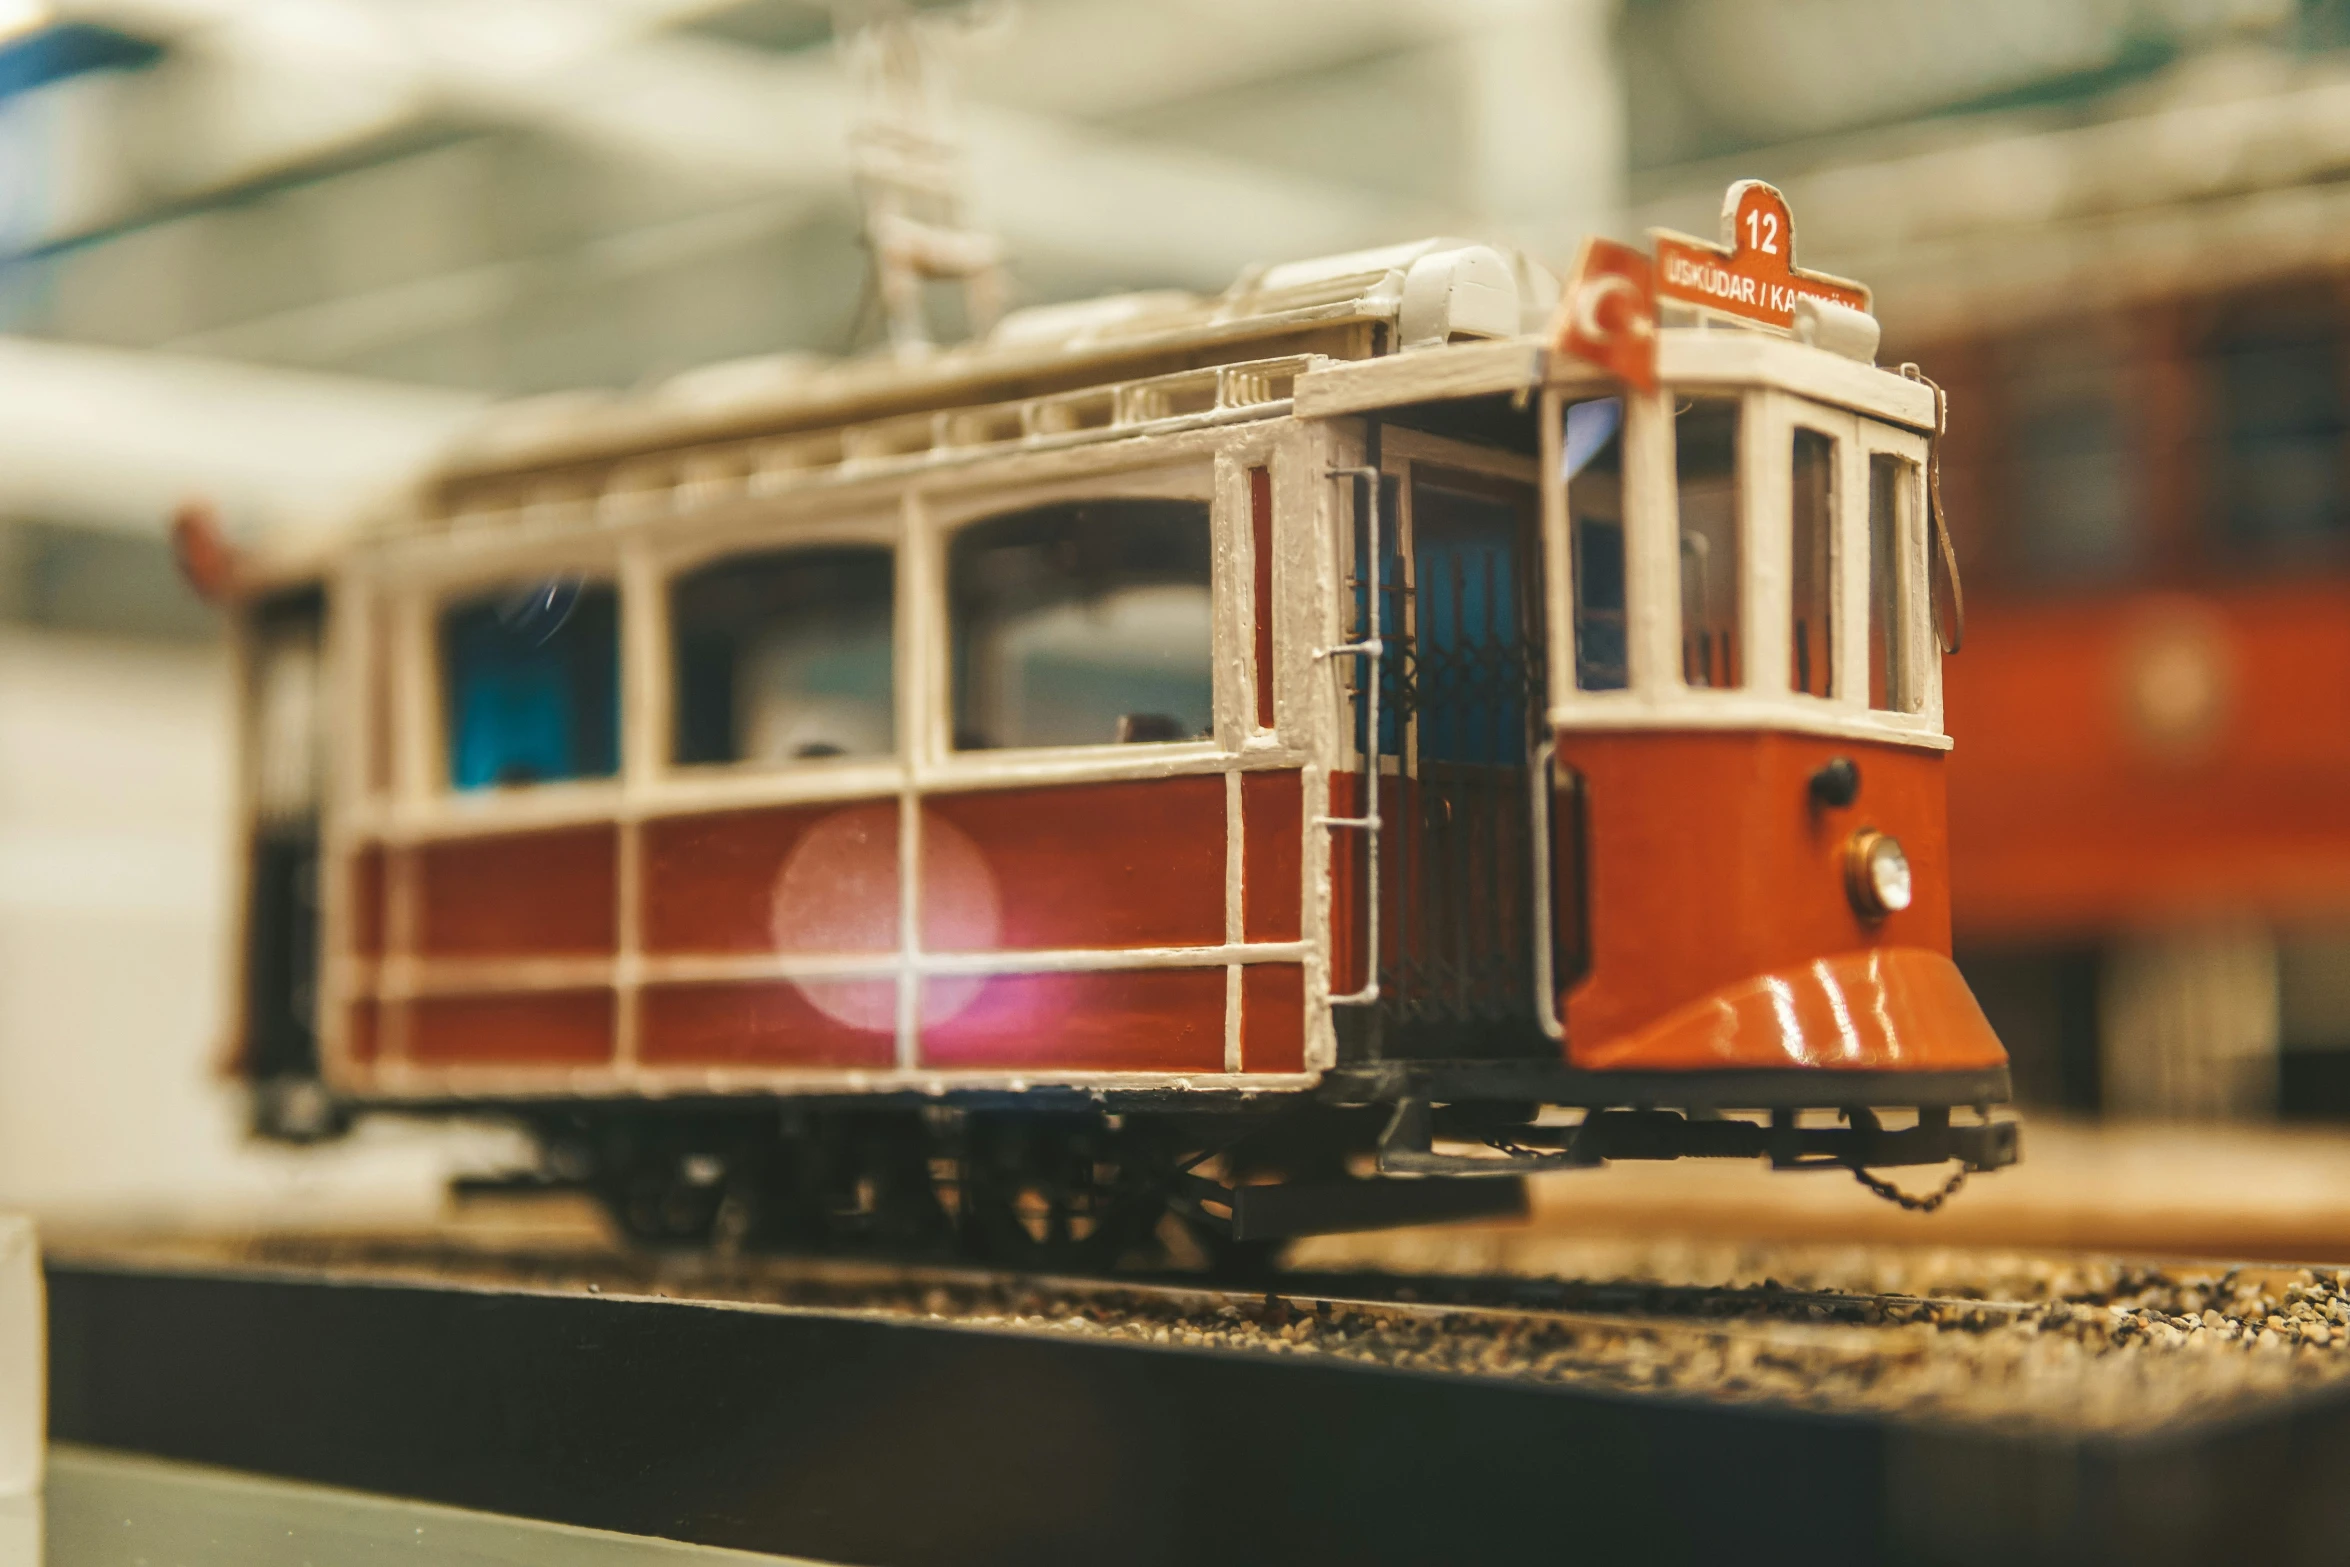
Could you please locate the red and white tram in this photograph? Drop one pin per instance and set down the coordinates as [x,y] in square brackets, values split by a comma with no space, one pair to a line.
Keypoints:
[1331,718]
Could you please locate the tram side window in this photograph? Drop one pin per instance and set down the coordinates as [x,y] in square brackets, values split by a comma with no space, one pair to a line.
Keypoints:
[1592,464]
[532,685]
[784,656]
[1705,462]
[1083,623]
[2274,380]
[1892,483]
[2068,396]
[1812,519]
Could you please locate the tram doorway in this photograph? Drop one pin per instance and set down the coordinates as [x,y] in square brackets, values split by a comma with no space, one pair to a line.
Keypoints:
[1461,696]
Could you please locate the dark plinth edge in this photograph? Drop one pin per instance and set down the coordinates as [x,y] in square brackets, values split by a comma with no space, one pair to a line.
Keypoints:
[859,1439]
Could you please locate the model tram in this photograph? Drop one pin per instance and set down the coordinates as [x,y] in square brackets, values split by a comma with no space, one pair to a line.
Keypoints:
[1260,755]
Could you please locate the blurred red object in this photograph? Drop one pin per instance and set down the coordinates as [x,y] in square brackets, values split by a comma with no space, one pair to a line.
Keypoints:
[206,558]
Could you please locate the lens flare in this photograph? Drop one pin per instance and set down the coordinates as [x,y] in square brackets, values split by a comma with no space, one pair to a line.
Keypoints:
[838,892]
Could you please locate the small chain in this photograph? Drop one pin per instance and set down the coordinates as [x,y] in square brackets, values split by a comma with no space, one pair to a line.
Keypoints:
[1894,1194]
[1885,1189]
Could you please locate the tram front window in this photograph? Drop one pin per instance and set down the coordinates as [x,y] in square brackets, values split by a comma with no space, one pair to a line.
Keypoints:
[1083,623]
[1592,468]
[1891,482]
[532,685]
[1812,576]
[1705,465]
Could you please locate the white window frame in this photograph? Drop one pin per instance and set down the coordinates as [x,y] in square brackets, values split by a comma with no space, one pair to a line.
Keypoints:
[420,731]
[1190,476]
[1921,651]
[1403,454]
[1657,696]
[1767,500]
[653,572]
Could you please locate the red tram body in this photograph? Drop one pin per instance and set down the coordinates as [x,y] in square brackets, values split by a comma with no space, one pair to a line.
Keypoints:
[1313,722]
[2154,760]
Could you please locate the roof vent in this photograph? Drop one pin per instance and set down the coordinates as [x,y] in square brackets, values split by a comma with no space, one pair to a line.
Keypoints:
[1470,292]
[1839,329]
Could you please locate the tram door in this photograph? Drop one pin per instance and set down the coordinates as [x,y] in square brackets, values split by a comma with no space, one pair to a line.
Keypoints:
[1461,694]
[285,747]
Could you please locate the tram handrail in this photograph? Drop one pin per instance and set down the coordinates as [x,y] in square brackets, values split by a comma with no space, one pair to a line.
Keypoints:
[1546,1002]
[1372,649]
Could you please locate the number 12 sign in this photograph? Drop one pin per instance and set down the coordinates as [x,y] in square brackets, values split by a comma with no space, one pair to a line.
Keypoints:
[1752,274]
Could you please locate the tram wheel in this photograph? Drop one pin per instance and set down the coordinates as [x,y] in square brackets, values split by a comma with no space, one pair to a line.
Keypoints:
[1055,1191]
[667,1198]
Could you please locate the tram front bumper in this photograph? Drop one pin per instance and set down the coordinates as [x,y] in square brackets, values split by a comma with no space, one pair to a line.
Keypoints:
[1881,1009]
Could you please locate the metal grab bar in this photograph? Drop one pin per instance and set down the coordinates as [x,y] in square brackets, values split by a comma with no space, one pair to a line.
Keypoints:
[1372,649]
[1546,1000]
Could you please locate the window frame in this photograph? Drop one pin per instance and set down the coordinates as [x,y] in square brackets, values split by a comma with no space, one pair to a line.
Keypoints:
[1405,455]
[1657,694]
[1858,438]
[407,585]
[1192,476]
[2043,379]
[445,689]
[1563,606]
[1670,672]
[2243,325]
[420,728]
[1771,524]
[1920,660]
[666,563]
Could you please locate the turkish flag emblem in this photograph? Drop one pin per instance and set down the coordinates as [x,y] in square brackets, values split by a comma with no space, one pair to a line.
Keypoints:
[1607,315]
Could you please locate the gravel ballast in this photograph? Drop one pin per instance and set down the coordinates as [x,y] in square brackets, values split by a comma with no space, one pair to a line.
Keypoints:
[2011,1341]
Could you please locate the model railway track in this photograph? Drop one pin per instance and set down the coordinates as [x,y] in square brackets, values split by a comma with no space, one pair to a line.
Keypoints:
[924,1413]
[2098,1356]
[1645,1301]
[885,1284]
[819,1282]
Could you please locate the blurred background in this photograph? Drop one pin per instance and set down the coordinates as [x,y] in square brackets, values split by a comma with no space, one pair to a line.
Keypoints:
[274,252]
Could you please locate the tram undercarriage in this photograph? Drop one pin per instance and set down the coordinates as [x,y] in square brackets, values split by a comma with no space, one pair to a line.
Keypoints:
[1089,1186]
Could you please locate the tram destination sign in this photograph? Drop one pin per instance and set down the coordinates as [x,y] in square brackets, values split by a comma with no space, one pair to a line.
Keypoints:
[1752,274]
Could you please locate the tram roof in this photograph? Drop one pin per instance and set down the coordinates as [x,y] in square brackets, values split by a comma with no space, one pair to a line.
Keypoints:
[1068,373]
[1322,307]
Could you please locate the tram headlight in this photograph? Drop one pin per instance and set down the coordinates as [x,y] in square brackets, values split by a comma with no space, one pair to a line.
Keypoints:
[1876,873]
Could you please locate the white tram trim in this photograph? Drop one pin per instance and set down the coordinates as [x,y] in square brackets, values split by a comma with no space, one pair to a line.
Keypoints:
[1695,356]
[601,800]
[1289,300]
[401,979]
[1615,711]
[617,511]
[397,1081]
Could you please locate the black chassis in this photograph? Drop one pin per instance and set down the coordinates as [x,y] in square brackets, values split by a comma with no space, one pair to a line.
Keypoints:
[1402,1109]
